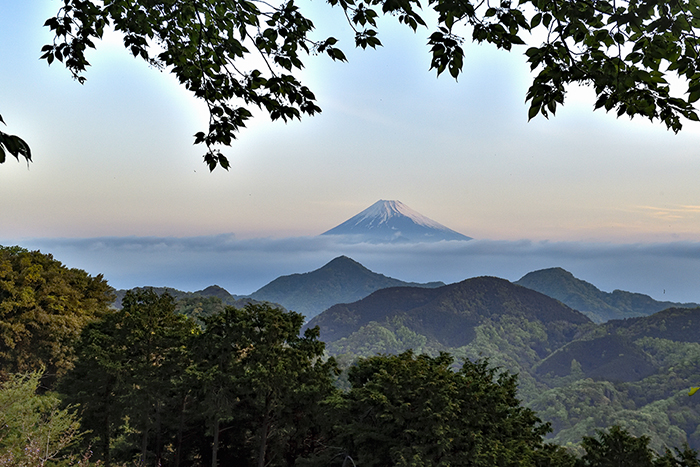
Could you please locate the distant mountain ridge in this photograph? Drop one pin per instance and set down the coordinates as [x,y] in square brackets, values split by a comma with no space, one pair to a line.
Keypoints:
[610,357]
[588,299]
[211,291]
[393,222]
[448,314]
[677,324]
[208,301]
[342,280]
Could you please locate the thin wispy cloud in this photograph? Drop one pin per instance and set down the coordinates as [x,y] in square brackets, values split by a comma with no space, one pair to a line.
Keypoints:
[673,212]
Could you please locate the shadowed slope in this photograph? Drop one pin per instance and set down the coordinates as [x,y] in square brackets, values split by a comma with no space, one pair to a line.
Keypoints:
[340,281]
[598,305]
[447,314]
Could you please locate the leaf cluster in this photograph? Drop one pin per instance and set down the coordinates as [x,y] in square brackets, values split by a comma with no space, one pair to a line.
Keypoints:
[624,50]
[208,45]
[13,144]
[615,447]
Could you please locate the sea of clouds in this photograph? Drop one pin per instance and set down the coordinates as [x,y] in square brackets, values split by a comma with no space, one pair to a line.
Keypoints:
[666,271]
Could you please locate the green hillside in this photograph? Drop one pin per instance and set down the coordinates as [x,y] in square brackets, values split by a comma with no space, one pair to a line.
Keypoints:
[448,315]
[677,324]
[635,373]
[578,375]
[610,357]
[342,280]
[598,305]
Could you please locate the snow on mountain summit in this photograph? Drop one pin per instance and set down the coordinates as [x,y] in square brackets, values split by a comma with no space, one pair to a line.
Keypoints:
[382,211]
[392,221]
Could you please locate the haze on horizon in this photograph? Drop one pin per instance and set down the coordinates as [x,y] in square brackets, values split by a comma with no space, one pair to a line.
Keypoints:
[117,187]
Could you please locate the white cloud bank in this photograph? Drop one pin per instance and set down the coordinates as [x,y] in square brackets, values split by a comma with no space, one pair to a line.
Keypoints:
[666,271]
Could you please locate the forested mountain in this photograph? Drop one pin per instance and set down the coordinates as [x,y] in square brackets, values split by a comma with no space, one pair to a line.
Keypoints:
[588,299]
[342,280]
[448,315]
[206,302]
[634,372]
[677,324]
[211,291]
[578,375]
[245,386]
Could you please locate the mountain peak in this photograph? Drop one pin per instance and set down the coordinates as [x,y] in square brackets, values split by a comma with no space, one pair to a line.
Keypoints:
[342,262]
[342,280]
[390,221]
[583,296]
[450,314]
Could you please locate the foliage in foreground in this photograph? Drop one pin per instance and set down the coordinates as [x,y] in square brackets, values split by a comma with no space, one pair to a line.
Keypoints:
[34,429]
[617,448]
[43,308]
[13,144]
[155,388]
[248,389]
[623,50]
[412,409]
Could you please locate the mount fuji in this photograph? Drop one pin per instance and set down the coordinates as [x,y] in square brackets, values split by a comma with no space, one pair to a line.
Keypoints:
[393,222]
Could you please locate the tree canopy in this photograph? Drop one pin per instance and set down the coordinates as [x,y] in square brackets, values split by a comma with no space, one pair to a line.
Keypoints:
[34,430]
[411,410]
[43,309]
[625,50]
[154,387]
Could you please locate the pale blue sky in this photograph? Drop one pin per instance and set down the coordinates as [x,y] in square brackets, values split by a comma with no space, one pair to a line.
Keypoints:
[114,157]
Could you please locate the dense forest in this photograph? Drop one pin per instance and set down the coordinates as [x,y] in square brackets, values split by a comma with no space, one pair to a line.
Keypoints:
[579,376]
[161,384]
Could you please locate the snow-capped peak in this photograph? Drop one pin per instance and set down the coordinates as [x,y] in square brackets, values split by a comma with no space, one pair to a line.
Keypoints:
[383,210]
[393,221]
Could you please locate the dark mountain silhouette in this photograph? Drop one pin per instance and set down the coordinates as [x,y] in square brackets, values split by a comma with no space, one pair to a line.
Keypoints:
[208,301]
[216,291]
[598,305]
[610,353]
[448,315]
[342,280]
[393,222]
[211,291]
[611,357]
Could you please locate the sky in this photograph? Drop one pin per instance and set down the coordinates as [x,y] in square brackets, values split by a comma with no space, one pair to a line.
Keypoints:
[117,187]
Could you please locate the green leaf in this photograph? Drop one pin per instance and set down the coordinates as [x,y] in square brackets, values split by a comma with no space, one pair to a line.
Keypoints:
[546,19]
[694,96]
[532,113]
[536,20]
